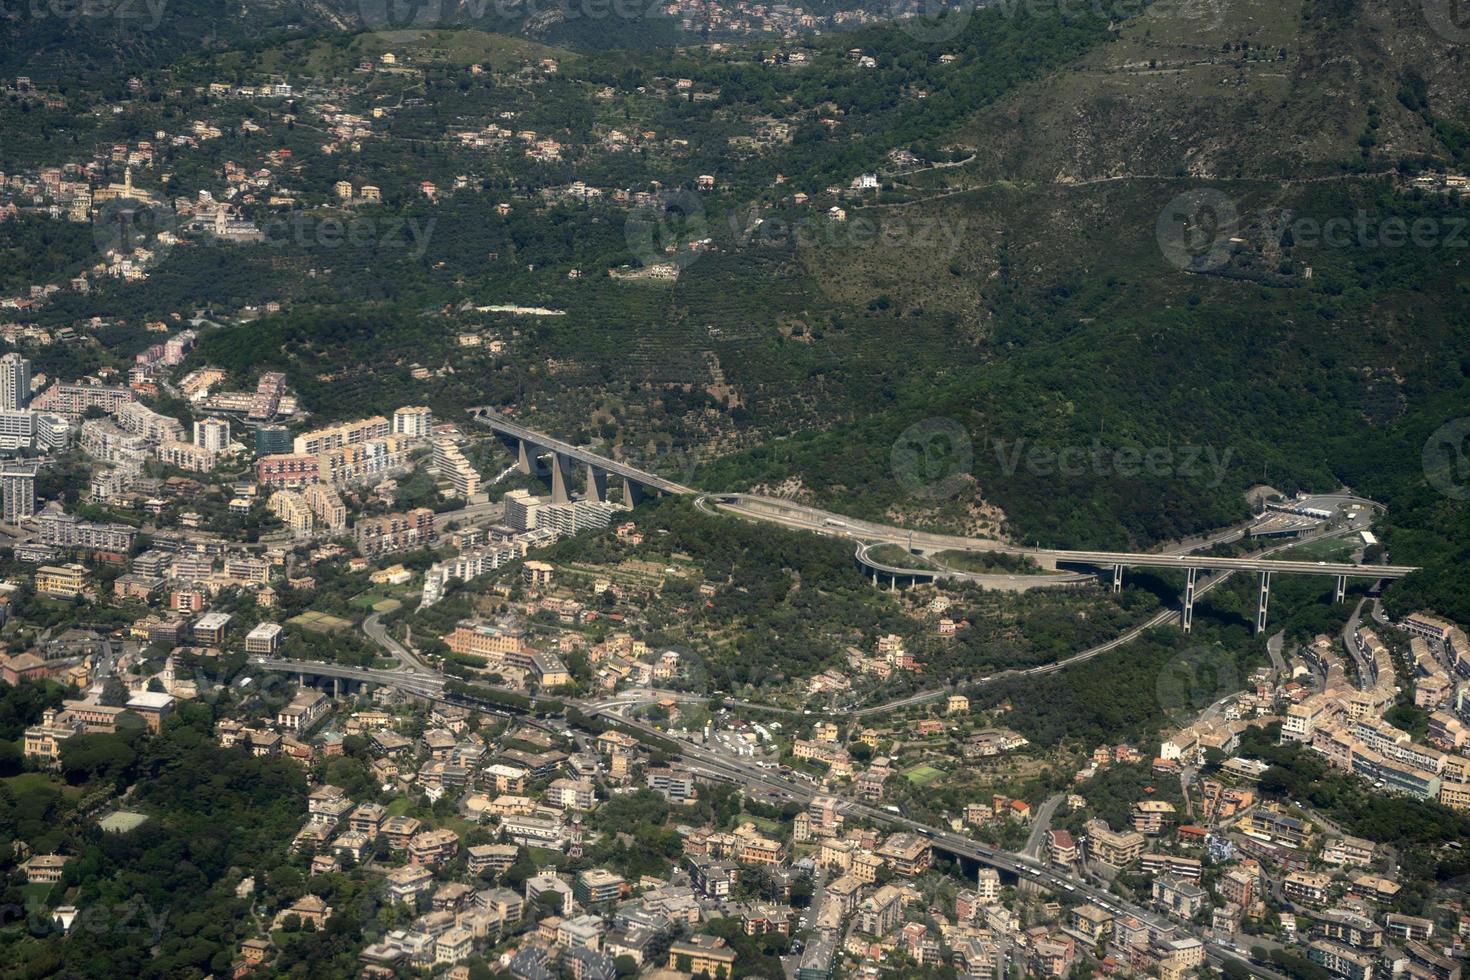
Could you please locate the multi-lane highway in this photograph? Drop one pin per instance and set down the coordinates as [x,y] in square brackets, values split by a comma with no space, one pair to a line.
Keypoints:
[713,764]
[1182,556]
[1023,867]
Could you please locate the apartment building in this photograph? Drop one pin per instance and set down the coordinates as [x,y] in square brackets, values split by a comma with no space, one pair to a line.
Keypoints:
[264,639]
[414,421]
[304,711]
[1113,848]
[571,794]
[433,847]
[907,853]
[140,420]
[364,462]
[186,456]
[18,488]
[75,399]
[452,465]
[394,532]
[286,470]
[706,955]
[598,886]
[336,436]
[881,912]
[326,506]
[212,434]
[678,786]
[61,530]
[292,510]
[485,640]
[61,581]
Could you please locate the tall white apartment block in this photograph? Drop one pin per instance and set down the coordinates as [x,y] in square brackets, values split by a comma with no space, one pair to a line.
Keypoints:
[15,381]
[212,434]
[415,421]
[18,488]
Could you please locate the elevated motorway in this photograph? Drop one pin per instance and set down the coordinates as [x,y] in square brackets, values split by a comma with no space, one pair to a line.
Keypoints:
[414,682]
[1017,582]
[530,445]
[1184,557]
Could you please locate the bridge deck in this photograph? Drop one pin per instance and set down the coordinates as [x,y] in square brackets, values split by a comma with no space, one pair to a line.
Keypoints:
[503,426]
[1134,560]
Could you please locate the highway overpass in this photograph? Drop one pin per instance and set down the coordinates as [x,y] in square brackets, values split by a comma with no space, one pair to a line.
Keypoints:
[879,570]
[530,446]
[423,684]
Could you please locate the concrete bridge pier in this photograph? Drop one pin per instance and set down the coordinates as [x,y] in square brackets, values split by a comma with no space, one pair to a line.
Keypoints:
[525,457]
[1186,618]
[632,493]
[1265,597]
[1117,578]
[1341,592]
[560,492]
[596,484]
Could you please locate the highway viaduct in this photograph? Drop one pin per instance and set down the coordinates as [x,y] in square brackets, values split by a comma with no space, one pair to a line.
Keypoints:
[531,445]
[562,458]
